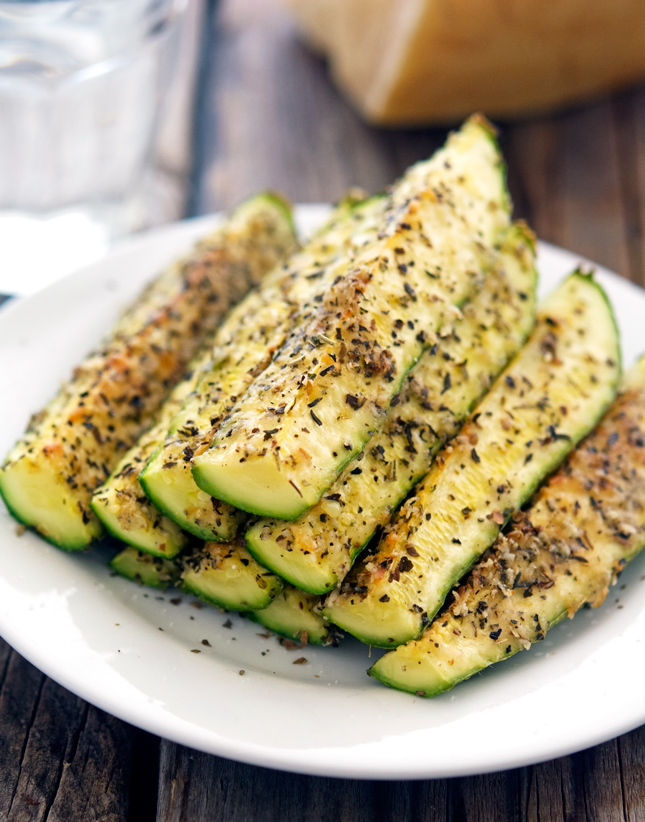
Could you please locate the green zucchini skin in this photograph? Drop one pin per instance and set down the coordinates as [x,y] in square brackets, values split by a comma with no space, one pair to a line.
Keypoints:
[316,551]
[226,575]
[329,387]
[243,347]
[70,448]
[294,614]
[565,551]
[145,569]
[547,399]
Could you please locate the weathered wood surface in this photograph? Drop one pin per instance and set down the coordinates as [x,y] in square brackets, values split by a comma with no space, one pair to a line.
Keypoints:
[60,758]
[268,117]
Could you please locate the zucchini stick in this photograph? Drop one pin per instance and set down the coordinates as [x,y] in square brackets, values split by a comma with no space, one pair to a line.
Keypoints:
[145,569]
[548,398]
[317,550]
[295,615]
[329,387]
[226,575]
[245,345]
[71,447]
[493,326]
[564,551]
[120,503]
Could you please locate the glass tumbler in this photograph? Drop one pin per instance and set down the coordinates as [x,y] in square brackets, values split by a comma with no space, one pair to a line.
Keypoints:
[82,89]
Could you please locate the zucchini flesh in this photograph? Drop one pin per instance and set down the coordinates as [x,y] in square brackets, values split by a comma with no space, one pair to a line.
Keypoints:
[316,551]
[585,524]
[244,347]
[120,503]
[294,614]
[226,575]
[547,399]
[71,447]
[145,569]
[329,387]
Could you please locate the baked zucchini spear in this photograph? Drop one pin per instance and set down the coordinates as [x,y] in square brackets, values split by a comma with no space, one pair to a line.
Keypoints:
[145,569]
[71,446]
[211,574]
[244,346]
[545,401]
[566,550]
[226,575]
[120,503]
[329,387]
[317,550]
[294,614]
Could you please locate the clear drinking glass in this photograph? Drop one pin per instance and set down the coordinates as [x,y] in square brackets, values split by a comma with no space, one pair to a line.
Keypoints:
[82,87]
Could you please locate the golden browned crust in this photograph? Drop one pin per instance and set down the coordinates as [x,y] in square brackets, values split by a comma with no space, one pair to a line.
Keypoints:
[115,393]
[570,544]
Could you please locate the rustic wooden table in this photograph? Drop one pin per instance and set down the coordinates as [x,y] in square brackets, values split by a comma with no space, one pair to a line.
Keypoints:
[268,117]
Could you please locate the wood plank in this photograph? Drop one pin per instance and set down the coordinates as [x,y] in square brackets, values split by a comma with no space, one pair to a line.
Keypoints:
[195,786]
[432,799]
[631,755]
[582,788]
[602,783]
[482,798]
[19,694]
[542,791]
[630,109]
[272,119]
[60,759]
[630,142]
[49,746]
[600,789]
[94,783]
[567,176]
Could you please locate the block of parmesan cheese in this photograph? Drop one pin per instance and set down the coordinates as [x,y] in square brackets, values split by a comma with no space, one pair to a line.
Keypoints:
[406,62]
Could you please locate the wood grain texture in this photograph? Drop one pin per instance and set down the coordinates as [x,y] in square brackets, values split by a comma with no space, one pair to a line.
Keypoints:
[569,179]
[592,786]
[271,118]
[631,757]
[61,759]
[474,797]
[197,786]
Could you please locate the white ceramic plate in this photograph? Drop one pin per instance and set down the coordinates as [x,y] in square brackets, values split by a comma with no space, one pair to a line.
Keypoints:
[131,651]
